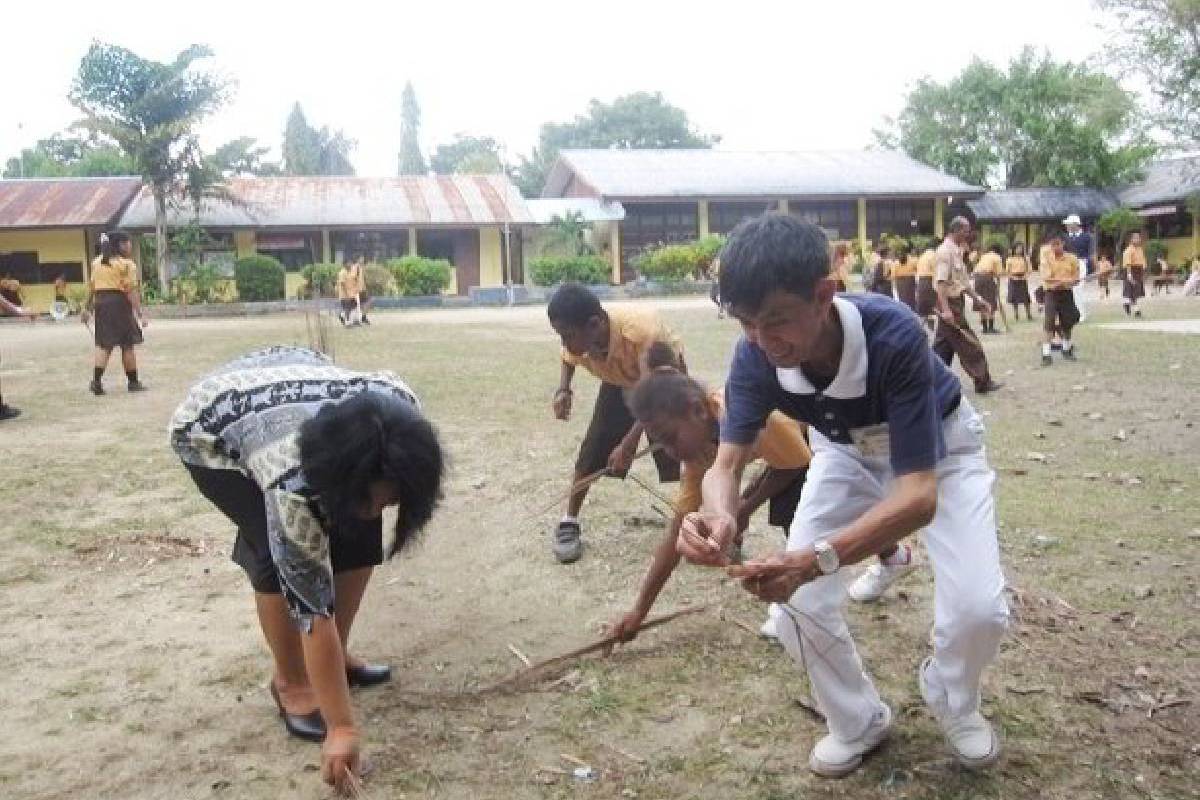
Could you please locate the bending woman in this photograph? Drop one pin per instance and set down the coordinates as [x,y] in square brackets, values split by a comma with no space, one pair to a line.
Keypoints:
[303,457]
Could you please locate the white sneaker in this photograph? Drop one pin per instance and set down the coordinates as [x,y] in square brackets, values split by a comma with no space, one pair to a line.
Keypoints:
[971,737]
[769,629]
[834,758]
[877,578]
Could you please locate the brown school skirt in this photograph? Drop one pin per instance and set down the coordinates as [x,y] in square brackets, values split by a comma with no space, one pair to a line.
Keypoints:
[611,420]
[906,290]
[985,287]
[926,296]
[1135,283]
[115,324]
[1018,291]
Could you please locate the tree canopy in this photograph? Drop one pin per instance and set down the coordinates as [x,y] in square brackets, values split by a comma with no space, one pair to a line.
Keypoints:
[311,151]
[70,156]
[467,154]
[1159,40]
[410,161]
[1040,123]
[641,120]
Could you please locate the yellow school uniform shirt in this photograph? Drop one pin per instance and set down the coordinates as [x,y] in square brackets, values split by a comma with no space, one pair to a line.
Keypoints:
[347,285]
[1017,266]
[119,274]
[780,443]
[1061,272]
[631,331]
[989,264]
[906,268]
[1134,257]
[949,268]
[926,263]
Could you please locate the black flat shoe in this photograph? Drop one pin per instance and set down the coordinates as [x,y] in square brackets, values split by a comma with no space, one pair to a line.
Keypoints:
[368,675]
[310,727]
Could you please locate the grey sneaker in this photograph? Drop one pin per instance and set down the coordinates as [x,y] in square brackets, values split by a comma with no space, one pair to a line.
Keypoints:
[568,542]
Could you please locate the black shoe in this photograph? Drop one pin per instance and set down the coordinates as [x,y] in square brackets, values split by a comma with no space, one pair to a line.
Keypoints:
[366,321]
[310,727]
[1069,355]
[368,675]
[568,542]
[96,388]
[1137,313]
[8,412]
[137,386]
[1056,346]
[1047,361]
[990,386]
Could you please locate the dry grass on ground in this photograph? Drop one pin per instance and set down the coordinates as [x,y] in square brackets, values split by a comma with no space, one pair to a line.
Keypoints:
[133,666]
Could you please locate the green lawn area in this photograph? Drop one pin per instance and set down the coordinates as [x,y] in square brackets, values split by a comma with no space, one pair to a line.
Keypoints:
[134,668]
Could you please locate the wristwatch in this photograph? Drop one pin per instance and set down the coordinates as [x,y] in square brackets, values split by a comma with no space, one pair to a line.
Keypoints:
[827,557]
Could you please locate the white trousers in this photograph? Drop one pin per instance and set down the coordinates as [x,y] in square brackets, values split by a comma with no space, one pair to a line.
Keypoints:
[970,613]
[1077,290]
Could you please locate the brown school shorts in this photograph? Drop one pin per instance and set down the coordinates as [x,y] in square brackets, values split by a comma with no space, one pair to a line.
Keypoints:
[611,420]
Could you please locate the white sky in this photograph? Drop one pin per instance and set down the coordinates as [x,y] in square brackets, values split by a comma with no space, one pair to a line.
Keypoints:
[765,75]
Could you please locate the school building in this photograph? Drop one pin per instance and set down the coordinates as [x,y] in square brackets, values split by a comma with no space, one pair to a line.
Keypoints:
[473,221]
[49,228]
[681,195]
[1161,198]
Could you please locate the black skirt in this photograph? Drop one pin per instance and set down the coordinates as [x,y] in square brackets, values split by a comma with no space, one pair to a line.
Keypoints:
[1018,291]
[1135,283]
[985,287]
[926,296]
[115,324]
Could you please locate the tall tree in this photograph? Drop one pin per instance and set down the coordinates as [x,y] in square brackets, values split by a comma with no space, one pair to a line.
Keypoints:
[411,162]
[1041,123]
[634,121]
[243,156]
[1159,40]
[150,110]
[69,156]
[309,151]
[467,154]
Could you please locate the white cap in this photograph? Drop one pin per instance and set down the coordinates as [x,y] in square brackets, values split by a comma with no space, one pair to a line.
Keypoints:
[1073,220]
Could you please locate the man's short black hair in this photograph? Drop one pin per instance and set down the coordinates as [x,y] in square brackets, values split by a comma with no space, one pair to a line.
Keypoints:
[573,304]
[772,252]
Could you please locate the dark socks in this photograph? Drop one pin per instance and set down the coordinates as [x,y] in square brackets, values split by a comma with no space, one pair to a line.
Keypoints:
[132,375]
[97,373]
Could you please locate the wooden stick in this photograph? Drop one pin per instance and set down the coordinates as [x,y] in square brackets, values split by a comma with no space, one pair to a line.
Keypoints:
[581,483]
[599,644]
[512,648]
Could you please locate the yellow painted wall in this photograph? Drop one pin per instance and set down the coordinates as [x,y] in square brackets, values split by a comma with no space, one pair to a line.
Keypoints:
[491,265]
[245,243]
[39,296]
[58,245]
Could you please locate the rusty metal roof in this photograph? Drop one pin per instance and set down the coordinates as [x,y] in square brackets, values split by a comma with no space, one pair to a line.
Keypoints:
[1049,204]
[63,202]
[297,202]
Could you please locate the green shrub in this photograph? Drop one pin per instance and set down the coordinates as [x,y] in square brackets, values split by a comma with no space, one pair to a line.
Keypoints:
[896,245]
[997,240]
[202,283]
[708,248]
[1155,249]
[585,269]
[417,276]
[259,278]
[320,280]
[380,282]
[920,243]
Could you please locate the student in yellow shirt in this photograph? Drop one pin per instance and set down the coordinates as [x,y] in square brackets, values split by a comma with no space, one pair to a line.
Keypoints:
[926,295]
[613,344]
[1017,268]
[348,295]
[114,298]
[840,271]
[1134,262]
[1060,274]
[905,276]
[1104,270]
[986,279]
[358,270]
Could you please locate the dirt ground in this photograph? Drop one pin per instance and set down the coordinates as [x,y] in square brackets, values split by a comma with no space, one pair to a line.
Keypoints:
[133,668]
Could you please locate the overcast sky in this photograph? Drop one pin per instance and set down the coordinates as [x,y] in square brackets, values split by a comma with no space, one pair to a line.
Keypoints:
[786,75]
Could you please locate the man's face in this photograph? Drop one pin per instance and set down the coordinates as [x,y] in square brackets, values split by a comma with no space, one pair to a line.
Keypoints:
[787,326]
[1135,239]
[581,340]
[685,438]
[962,236]
[1056,247]
[1073,229]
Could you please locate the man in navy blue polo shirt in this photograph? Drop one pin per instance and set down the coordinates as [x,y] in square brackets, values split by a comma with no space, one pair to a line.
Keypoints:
[896,447]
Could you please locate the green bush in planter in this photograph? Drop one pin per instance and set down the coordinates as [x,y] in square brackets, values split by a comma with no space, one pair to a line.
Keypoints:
[708,248]
[380,282]
[585,269]
[320,280]
[417,276]
[671,262]
[259,278]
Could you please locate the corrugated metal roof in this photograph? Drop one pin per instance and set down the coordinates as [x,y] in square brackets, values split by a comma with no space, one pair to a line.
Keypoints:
[1051,204]
[545,209]
[723,173]
[1166,181]
[293,202]
[63,202]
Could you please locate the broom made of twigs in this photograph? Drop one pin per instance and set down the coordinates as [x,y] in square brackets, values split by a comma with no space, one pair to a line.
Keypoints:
[582,483]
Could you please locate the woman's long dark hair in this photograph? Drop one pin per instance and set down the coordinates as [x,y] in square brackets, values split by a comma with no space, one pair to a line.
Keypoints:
[110,244]
[372,437]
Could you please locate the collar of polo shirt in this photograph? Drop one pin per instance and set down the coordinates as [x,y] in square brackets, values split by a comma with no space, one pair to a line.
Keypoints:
[851,378]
